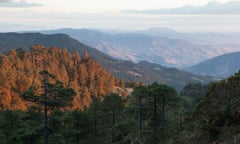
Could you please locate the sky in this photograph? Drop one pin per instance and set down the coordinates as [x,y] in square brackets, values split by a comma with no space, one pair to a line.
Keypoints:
[181,15]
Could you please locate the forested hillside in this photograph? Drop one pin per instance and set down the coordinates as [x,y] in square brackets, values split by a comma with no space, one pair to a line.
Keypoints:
[20,70]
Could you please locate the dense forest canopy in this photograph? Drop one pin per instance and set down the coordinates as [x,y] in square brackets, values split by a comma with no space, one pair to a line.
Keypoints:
[20,70]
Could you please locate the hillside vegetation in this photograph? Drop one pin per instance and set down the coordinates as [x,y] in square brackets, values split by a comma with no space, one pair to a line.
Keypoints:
[19,70]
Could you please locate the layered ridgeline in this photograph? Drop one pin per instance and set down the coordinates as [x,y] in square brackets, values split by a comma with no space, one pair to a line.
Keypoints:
[125,70]
[164,47]
[20,70]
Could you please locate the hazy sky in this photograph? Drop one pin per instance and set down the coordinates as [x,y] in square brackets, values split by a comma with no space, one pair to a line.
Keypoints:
[111,14]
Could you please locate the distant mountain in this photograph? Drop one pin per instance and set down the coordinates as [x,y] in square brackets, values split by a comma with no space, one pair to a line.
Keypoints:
[125,70]
[139,46]
[221,66]
[174,76]
[229,40]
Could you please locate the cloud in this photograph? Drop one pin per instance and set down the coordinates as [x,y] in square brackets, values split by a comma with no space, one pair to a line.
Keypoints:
[4,1]
[17,4]
[211,8]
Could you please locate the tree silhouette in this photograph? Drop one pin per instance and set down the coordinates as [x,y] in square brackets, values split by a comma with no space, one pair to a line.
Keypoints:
[54,97]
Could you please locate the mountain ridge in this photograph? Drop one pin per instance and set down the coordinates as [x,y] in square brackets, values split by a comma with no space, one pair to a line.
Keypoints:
[176,77]
[139,46]
[220,66]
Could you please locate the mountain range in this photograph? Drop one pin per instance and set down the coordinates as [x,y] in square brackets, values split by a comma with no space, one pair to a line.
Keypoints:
[125,70]
[162,46]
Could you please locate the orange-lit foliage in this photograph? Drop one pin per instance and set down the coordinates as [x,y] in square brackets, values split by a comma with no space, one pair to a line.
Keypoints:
[19,71]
